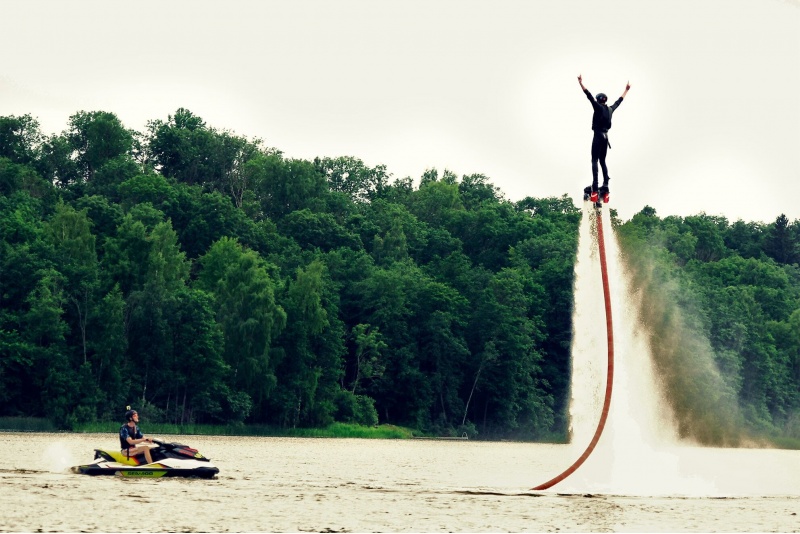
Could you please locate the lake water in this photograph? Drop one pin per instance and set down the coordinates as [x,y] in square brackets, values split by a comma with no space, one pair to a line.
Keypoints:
[345,485]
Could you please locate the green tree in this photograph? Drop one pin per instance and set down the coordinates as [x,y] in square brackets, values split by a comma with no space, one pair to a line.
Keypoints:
[199,391]
[317,230]
[250,318]
[25,260]
[707,229]
[109,346]
[15,177]
[105,217]
[549,256]
[186,149]
[125,256]
[163,273]
[476,189]
[311,366]
[246,179]
[57,164]
[70,233]
[151,188]
[96,138]
[435,201]
[352,177]
[180,146]
[781,243]
[369,346]
[288,185]
[20,139]
[438,327]
[44,329]
[392,247]
[511,386]
[745,238]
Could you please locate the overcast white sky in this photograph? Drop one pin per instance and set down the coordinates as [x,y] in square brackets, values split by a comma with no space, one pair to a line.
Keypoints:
[711,124]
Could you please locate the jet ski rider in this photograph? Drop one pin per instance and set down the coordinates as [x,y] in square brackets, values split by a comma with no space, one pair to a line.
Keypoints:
[601,122]
[130,436]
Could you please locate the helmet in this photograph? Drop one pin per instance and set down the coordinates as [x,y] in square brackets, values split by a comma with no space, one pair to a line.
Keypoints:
[601,97]
[129,414]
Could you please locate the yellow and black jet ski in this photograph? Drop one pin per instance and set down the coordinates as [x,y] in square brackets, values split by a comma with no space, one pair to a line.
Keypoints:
[169,459]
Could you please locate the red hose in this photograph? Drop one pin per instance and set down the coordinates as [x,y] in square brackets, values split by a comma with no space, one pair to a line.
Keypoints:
[610,374]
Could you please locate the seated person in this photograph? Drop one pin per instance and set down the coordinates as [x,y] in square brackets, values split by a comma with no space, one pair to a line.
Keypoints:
[130,436]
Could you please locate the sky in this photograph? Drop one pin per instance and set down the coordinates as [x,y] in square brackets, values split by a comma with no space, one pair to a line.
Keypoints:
[711,123]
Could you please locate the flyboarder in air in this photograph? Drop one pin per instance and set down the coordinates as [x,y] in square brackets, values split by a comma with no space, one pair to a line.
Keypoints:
[601,123]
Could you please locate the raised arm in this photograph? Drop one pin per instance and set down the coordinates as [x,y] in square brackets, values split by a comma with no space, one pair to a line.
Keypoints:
[627,87]
[589,96]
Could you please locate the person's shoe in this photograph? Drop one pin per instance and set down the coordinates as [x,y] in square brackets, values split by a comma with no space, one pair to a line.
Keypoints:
[604,193]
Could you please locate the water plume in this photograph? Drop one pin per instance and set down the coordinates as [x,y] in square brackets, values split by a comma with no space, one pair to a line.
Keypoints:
[637,453]
[703,401]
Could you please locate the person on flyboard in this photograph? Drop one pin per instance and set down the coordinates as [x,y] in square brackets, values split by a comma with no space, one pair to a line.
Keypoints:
[601,123]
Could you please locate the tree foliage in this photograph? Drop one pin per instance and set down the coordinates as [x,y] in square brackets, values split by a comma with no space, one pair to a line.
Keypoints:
[205,277]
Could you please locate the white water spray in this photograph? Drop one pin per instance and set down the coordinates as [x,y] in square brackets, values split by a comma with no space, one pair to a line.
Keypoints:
[57,458]
[638,452]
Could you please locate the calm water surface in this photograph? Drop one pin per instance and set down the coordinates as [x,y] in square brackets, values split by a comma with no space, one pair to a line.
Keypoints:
[343,485]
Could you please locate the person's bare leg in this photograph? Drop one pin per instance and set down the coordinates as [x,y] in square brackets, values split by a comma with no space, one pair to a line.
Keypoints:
[142,449]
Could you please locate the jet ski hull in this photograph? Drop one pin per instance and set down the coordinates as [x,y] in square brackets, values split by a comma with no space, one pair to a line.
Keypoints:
[147,471]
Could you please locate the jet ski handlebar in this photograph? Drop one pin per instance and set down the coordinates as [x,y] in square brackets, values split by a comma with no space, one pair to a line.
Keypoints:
[167,445]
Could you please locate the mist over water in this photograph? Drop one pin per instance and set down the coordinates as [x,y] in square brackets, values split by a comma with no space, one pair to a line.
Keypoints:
[639,452]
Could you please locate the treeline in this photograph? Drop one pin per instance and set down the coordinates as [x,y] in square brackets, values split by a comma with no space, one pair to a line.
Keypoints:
[203,277]
[720,302]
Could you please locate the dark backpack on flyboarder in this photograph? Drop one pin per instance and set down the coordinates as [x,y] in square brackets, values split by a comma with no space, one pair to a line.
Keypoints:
[605,117]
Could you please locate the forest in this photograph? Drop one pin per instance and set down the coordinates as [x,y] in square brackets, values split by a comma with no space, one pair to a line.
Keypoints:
[202,276]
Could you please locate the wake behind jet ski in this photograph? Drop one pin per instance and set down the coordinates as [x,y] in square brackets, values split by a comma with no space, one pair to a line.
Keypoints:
[169,459]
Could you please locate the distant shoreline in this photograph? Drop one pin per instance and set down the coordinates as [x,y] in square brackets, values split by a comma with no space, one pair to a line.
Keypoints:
[335,430]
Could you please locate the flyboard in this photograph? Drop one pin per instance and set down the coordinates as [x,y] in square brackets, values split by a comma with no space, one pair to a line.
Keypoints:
[597,198]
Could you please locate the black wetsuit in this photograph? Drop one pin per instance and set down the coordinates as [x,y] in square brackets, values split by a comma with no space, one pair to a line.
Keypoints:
[601,123]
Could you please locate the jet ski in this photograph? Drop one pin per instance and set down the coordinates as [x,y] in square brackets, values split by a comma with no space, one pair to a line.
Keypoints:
[169,459]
